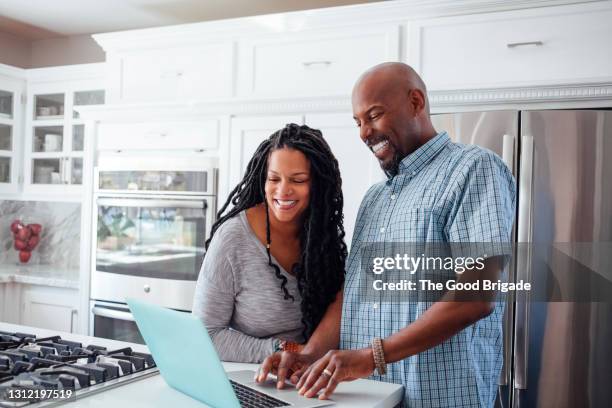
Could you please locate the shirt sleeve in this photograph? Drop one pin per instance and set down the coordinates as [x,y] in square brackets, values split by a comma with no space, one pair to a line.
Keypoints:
[484,206]
[213,303]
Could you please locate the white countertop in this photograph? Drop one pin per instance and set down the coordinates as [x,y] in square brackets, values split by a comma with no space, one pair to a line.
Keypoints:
[47,275]
[153,391]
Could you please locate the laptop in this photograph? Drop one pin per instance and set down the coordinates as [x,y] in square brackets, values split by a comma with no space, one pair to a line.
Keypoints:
[188,362]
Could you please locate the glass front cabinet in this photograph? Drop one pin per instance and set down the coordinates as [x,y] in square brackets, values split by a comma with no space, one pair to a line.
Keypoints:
[55,139]
[10,121]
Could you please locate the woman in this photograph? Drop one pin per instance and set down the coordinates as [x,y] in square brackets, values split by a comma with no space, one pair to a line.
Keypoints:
[275,260]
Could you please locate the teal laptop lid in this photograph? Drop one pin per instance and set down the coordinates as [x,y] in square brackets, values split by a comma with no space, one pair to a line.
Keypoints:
[184,353]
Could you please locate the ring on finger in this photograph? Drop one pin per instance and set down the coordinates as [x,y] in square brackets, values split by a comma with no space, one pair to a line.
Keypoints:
[327,373]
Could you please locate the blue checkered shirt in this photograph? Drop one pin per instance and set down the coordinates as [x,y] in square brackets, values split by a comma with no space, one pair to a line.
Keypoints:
[444,192]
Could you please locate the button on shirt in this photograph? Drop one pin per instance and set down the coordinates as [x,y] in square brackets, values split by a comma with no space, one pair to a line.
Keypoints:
[443,192]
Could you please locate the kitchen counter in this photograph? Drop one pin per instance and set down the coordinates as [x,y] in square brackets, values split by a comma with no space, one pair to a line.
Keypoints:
[47,275]
[154,392]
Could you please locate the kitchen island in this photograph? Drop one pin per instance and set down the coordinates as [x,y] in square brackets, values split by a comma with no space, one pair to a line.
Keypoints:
[152,391]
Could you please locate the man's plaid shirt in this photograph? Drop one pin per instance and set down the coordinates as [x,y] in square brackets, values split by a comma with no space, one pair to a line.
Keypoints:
[444,192]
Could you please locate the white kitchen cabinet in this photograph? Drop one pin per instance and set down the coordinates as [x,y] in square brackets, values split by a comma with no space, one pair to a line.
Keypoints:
[50,308]
[56,148]
[200,71]
[359,168]
[313,63]
[543,46]
[11,114]
[166,135]
[246,135]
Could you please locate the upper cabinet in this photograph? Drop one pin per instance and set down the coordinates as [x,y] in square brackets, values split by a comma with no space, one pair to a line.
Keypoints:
[11,90]
[313,63]
[543,46]
[171,74]
[56,147]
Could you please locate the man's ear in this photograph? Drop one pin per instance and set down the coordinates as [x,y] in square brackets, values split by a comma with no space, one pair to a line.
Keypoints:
[417,101]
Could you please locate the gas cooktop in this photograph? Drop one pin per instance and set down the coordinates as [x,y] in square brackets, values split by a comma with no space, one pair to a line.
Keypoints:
[49,371]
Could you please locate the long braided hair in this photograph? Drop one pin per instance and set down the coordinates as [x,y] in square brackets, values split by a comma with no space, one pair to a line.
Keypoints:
[320,269]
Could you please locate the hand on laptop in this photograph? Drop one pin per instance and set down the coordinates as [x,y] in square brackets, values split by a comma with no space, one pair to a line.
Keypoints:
[285,365]
[333,368]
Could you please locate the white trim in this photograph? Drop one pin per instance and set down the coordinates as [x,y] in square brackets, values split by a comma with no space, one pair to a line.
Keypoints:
[67,73]
[13,72]
[560,93]
[599,94]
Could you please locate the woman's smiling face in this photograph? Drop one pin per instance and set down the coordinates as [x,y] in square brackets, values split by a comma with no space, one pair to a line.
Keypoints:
[287,184]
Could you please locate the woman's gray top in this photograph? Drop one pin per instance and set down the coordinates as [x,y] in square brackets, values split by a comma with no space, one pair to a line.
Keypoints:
[239,298]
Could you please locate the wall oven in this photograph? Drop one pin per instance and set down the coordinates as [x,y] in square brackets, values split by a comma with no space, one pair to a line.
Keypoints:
[150,225]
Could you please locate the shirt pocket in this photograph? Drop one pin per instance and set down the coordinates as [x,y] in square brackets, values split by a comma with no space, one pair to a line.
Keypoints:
[417,225]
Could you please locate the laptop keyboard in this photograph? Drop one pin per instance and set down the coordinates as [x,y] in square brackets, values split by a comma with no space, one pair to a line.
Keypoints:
[250,398]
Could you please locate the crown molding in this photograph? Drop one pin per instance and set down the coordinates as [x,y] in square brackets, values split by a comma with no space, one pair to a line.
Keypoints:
[525,95]
[397,11]
[194,110]
[67,72]
[13,72]
[202,109]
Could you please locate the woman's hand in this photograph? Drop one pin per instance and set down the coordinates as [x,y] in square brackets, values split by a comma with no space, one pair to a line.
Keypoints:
[284,364]
[336,366]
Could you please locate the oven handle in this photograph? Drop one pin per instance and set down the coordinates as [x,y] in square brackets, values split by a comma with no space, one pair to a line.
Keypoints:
[130,202]
[112,314]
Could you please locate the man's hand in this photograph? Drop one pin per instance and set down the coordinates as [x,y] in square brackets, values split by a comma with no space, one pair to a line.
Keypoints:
[336,366]
[284,364]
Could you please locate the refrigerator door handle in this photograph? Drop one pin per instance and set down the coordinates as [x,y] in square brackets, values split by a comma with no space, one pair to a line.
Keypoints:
[523,272]
[508,151]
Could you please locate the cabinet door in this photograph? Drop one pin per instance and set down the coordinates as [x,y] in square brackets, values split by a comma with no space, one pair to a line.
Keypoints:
[10,128]
[50,308]
[172,74]
[358,166]
[325,62]
[543,46]
[56,148]
[164,136]
[246,135]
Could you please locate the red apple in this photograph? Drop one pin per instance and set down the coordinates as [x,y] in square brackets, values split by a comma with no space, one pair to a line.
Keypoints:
[24,234]
[24,256]
[20,245]
[16,226]
[33,241]
[35,228]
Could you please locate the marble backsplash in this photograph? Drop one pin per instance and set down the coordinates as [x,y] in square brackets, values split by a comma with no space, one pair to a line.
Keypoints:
[60,238]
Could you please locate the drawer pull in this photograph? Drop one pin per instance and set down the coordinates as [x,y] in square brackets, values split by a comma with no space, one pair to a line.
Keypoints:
[156,135]
[522,44]
[171,74]
[308,64]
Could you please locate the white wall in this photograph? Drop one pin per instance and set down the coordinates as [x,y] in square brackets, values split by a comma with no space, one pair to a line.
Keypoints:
[14,50]
[81,49]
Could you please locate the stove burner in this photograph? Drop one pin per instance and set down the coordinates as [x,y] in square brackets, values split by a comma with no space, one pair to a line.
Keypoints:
[52,363]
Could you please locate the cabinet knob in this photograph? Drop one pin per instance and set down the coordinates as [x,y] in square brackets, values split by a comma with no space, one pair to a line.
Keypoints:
[146,288]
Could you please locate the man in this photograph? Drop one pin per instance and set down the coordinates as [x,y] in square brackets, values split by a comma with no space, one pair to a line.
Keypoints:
[445,353]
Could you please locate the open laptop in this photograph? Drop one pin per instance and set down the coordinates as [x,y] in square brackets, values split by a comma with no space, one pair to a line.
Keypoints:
[187,360]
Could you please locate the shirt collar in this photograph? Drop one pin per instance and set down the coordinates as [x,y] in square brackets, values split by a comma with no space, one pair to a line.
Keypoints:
[417,160]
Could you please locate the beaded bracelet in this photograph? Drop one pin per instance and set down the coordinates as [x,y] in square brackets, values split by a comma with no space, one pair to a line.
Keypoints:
[379,356]
[291,346]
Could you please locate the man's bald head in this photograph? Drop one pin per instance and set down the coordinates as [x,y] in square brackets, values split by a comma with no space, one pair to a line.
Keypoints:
[391,109]
[392,77]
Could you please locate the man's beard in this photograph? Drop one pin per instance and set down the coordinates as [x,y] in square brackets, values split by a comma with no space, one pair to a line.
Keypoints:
[393,168]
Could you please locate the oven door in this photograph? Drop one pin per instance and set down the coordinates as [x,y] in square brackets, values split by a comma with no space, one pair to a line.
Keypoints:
[114,321]
[150,248]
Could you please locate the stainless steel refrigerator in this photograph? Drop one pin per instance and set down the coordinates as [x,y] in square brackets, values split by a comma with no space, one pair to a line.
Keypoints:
[556,353]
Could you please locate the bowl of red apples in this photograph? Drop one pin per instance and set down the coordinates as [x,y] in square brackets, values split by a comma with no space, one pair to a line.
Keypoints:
[27,237]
